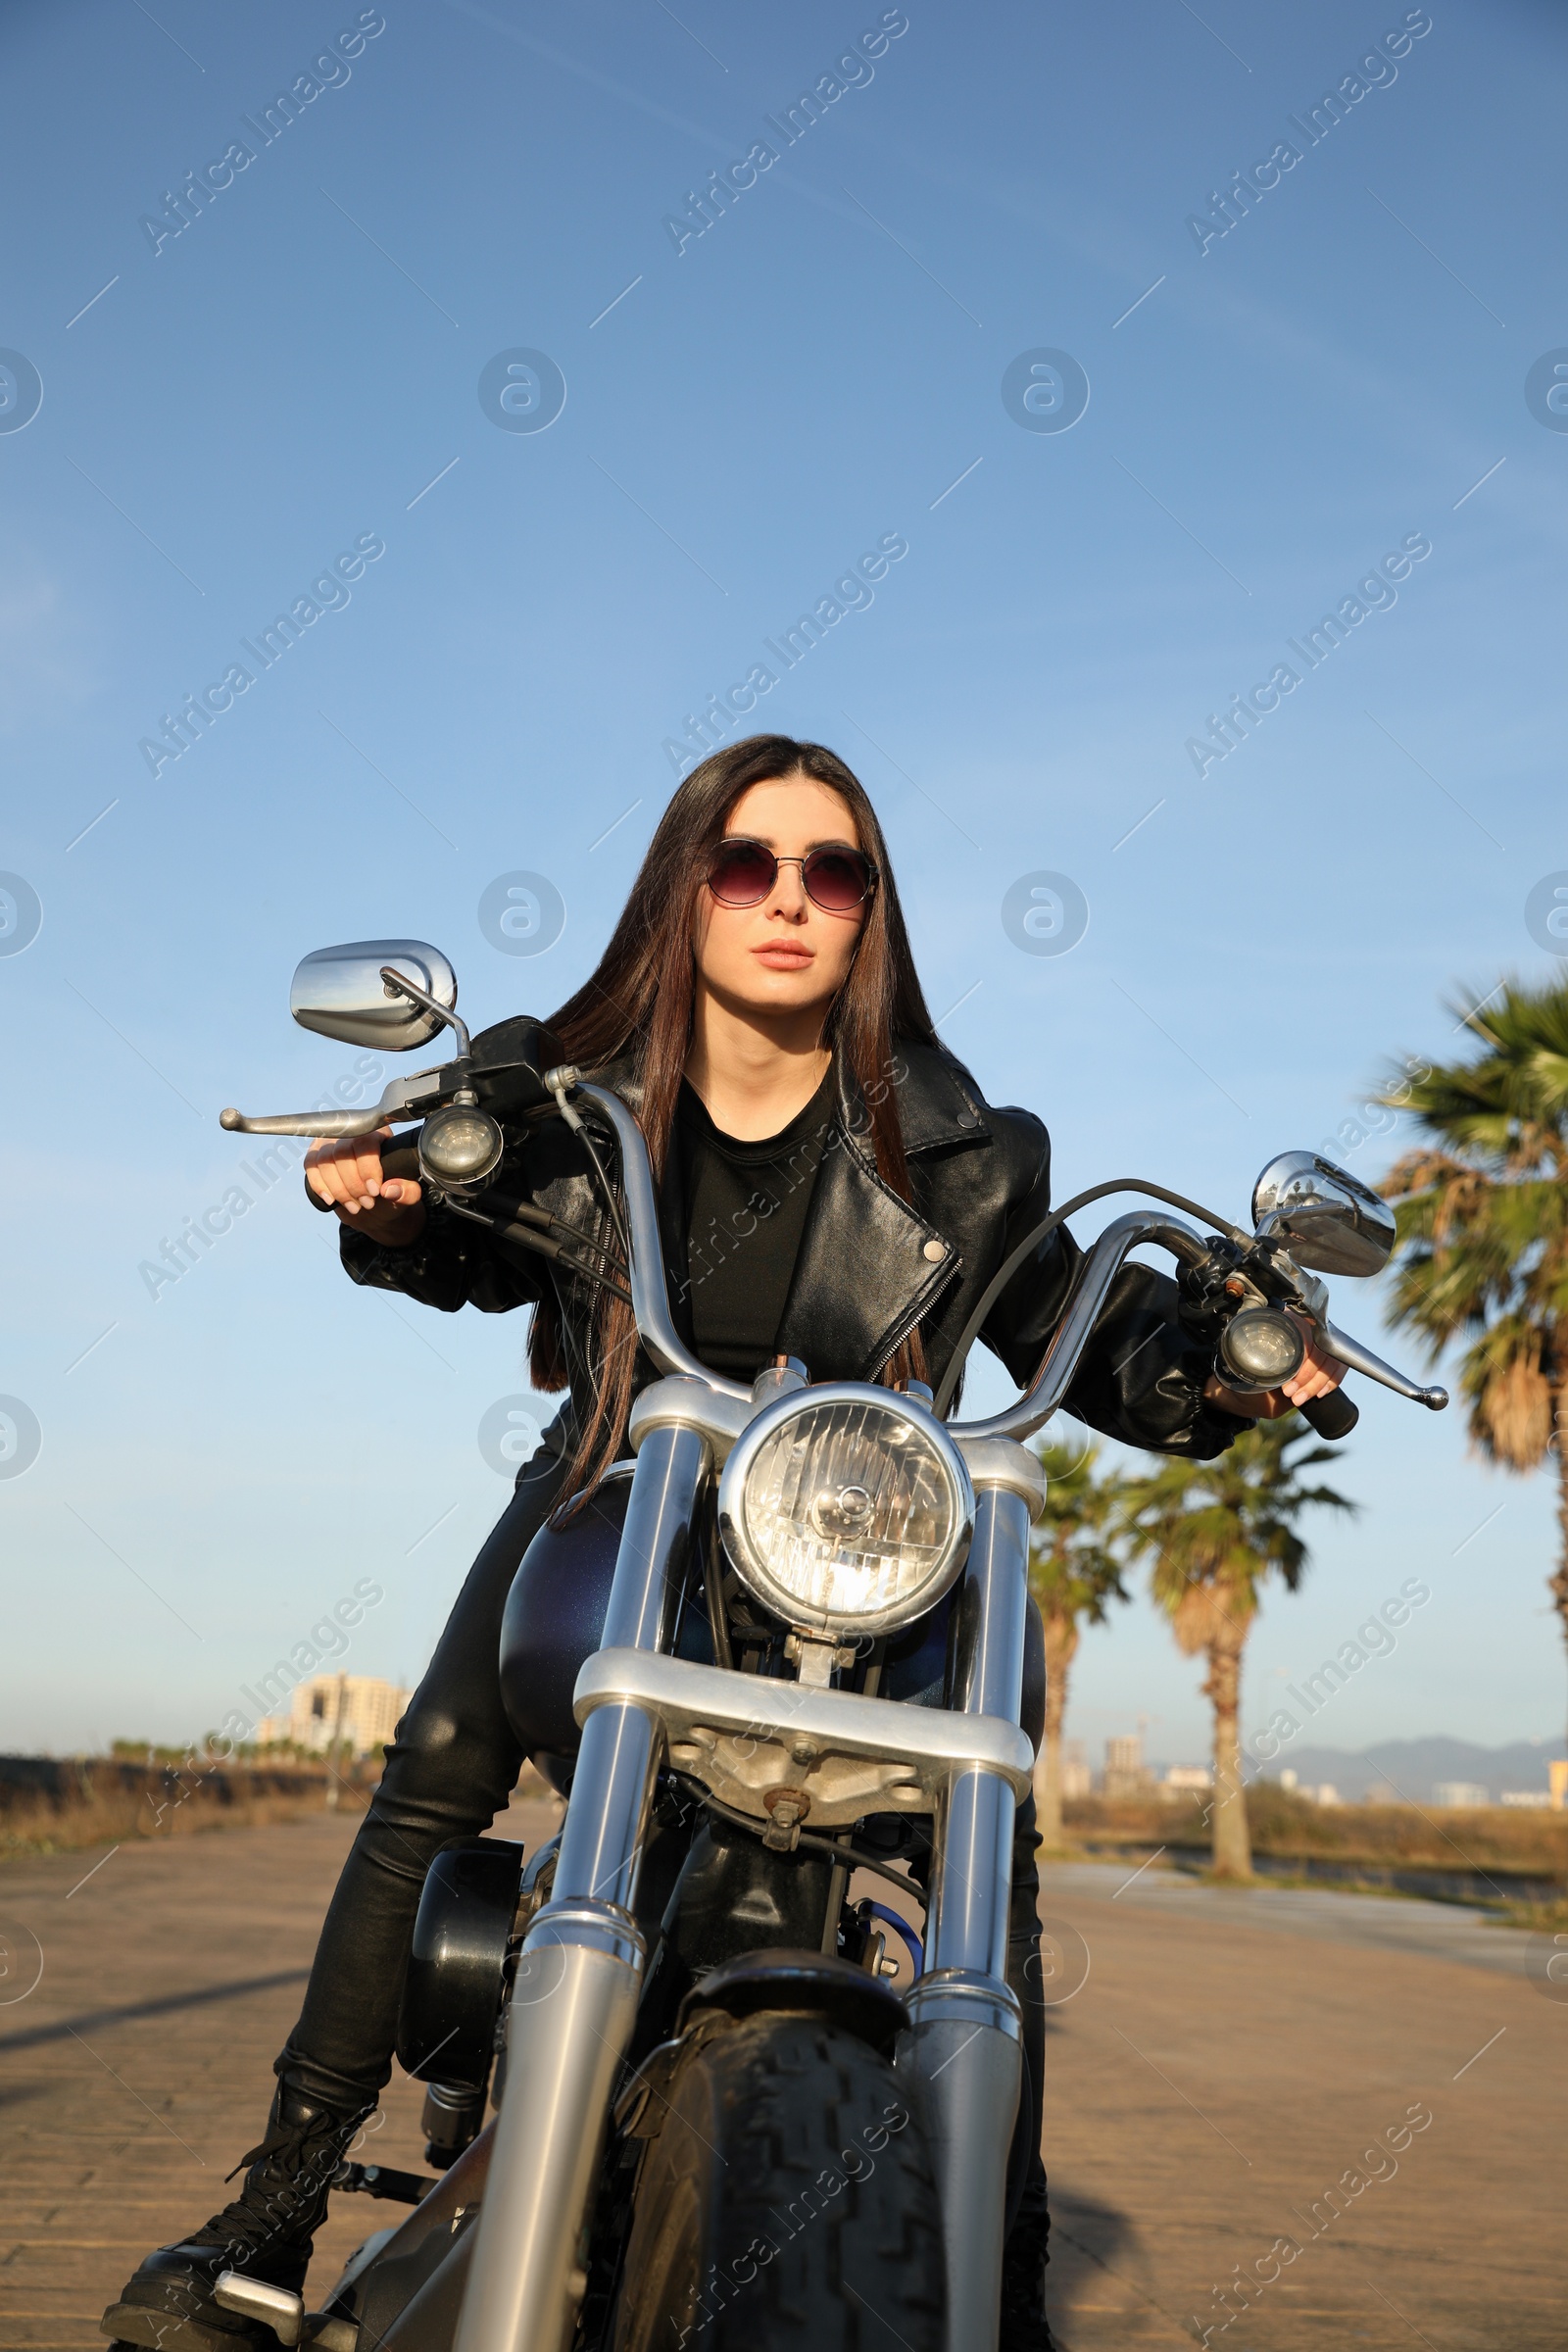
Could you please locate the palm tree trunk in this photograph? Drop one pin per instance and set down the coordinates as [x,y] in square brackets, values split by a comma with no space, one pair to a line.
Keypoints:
[1061,1640]
[1232,1847]
[1557,1582]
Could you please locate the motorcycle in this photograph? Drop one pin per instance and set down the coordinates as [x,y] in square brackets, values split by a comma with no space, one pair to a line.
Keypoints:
[714,2115]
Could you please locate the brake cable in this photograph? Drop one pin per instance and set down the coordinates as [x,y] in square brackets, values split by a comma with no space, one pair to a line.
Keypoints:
[579,1128]
[1031,1241]
[526,1213]
[526,1237]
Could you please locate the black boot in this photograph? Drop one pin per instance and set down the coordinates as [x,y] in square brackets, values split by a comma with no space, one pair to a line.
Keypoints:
[1024,2325]
[168,2306]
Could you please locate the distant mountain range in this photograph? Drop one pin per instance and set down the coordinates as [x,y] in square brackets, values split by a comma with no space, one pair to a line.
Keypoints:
[1412,1768]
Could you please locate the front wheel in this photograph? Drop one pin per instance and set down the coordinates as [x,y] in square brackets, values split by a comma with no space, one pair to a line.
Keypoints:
[787,2203]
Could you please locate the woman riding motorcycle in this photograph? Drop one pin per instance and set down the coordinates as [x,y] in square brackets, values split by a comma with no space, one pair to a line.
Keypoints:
[833,1187]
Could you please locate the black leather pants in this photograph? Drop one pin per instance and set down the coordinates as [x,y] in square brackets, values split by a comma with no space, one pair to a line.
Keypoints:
[452,1765]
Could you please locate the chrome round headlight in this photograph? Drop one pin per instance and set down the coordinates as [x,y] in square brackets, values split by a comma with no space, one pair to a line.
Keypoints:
[845,1509]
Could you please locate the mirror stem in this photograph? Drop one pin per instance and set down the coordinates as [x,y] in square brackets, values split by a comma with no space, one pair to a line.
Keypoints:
[397,986]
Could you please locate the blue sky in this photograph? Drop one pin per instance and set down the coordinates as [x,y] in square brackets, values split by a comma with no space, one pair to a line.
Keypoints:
[296,372]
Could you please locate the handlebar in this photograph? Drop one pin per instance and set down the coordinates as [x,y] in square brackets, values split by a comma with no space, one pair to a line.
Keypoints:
[650,1297]
[1096,1271]
[411,1097]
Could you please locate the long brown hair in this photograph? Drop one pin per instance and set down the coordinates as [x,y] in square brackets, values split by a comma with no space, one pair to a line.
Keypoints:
[638,1002]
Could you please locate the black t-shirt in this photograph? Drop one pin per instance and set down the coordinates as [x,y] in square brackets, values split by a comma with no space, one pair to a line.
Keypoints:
[746,1208]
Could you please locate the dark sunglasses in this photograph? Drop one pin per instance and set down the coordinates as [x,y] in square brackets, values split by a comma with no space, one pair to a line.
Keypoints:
[742,873]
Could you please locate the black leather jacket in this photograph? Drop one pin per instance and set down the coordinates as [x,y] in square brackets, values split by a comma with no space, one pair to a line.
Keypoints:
[871,1267]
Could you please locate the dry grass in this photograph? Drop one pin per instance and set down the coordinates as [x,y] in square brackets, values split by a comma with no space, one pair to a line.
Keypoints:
[105,1808]
[1290,1828]
[104,1801]
[1536,1918]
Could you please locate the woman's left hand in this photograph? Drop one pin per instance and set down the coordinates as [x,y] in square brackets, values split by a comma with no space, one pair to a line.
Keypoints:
[1319,1375]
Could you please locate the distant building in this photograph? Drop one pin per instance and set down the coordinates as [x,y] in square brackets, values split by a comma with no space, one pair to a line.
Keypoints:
[353,1710]
[1180,1777]
[1527,1796]
[1460,1795]
[1076,1778]
[1126,1773]
[1325,1795]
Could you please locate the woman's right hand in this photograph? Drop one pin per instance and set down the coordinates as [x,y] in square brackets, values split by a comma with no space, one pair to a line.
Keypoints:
[347,1175]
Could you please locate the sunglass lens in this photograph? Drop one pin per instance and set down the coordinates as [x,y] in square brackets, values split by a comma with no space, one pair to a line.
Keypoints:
[742,874]
[837,879]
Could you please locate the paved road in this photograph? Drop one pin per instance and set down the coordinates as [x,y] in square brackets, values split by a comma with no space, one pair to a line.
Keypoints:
[1227,2060]
[1376,1922]
[140,2068]
[1232,2055]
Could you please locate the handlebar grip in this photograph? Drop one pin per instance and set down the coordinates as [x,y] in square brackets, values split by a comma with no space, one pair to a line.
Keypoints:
[1332,1416]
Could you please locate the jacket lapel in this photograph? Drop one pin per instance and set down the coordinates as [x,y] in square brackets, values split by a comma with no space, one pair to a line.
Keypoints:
[870,1266]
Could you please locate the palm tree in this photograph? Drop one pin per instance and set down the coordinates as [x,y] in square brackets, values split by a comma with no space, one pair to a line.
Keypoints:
[1482,1215]
[1074,1575]
[1214,1531]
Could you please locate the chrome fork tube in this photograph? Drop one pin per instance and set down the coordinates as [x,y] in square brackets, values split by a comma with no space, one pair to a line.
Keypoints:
[574,2001]
[972,1877]
[601,1842]
[963,2051]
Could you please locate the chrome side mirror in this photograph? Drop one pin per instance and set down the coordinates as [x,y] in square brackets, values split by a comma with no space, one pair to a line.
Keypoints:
[339,992]
[1328,1219]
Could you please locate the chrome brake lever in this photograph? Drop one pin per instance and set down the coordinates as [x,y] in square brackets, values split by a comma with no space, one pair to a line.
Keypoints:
[404,1097]
[1346,1351]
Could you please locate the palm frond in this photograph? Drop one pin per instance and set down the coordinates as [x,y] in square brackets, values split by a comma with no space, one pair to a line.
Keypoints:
[1482,1211]
[1074,1569]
